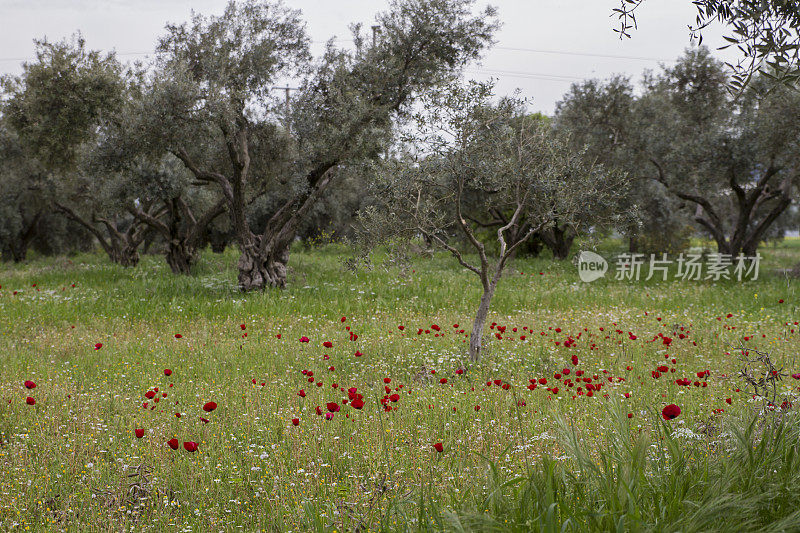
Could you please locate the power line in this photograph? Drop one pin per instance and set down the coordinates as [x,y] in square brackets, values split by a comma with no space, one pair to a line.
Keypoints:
[117,53]
[520,74]
[587,54]
[507,48]
[539,78]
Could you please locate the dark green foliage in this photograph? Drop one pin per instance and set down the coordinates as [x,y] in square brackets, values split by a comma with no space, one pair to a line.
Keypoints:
[59,99]
[694,152]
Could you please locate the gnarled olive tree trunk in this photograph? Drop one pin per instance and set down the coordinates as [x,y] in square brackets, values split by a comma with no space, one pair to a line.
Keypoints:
[181,230]
[259,270]
[181,257]
[757,207]
[124,254]
[122,247]
[263,256]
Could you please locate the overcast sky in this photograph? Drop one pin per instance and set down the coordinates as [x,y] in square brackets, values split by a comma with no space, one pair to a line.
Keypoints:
[543,46]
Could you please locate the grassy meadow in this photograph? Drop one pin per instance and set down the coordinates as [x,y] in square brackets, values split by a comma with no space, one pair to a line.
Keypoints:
[586,449]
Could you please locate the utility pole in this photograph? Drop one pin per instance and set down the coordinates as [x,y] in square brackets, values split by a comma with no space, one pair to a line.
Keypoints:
[375,30]
[286,103]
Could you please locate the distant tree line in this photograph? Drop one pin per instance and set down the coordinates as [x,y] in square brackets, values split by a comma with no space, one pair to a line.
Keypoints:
[194,149]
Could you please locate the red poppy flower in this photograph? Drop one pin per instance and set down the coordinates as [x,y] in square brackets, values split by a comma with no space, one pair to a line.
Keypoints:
[30,401]
[149,394]
[243,326]
[173,443]
[210,406]
[358,354]
[178,336]
[327,344]
[204,420]
[190,446]
[302,393]
[98,345]
[671,411]
[304,339]
[443,381]
[296,421]
[167,372]
[387,380]
[394,397]
[358,403]
[30,385]
[401,328]
[139,433]
[438,447]
[333,407]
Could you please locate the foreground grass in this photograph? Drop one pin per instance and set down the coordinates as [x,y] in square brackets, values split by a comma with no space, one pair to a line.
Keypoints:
[512,459]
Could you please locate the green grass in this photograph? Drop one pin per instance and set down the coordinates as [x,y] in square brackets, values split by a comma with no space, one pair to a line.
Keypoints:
[65,462]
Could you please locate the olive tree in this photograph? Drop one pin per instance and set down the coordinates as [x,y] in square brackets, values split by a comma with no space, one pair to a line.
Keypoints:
[52,113]
[343,112]
[735,161]
[27,220]
[152,185]
[23,197]
[465,146]
[600,116]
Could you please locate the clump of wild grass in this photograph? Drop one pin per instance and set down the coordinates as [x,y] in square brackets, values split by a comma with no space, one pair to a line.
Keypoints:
[637,483]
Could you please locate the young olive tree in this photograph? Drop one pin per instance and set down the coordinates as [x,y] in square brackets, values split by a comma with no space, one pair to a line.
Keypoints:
[343,112]
[465,146]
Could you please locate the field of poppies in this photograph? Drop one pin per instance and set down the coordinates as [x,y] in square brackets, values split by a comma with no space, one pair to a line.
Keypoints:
[134,399]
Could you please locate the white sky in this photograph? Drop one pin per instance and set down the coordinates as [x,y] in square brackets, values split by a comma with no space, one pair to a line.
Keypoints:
[564,40]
